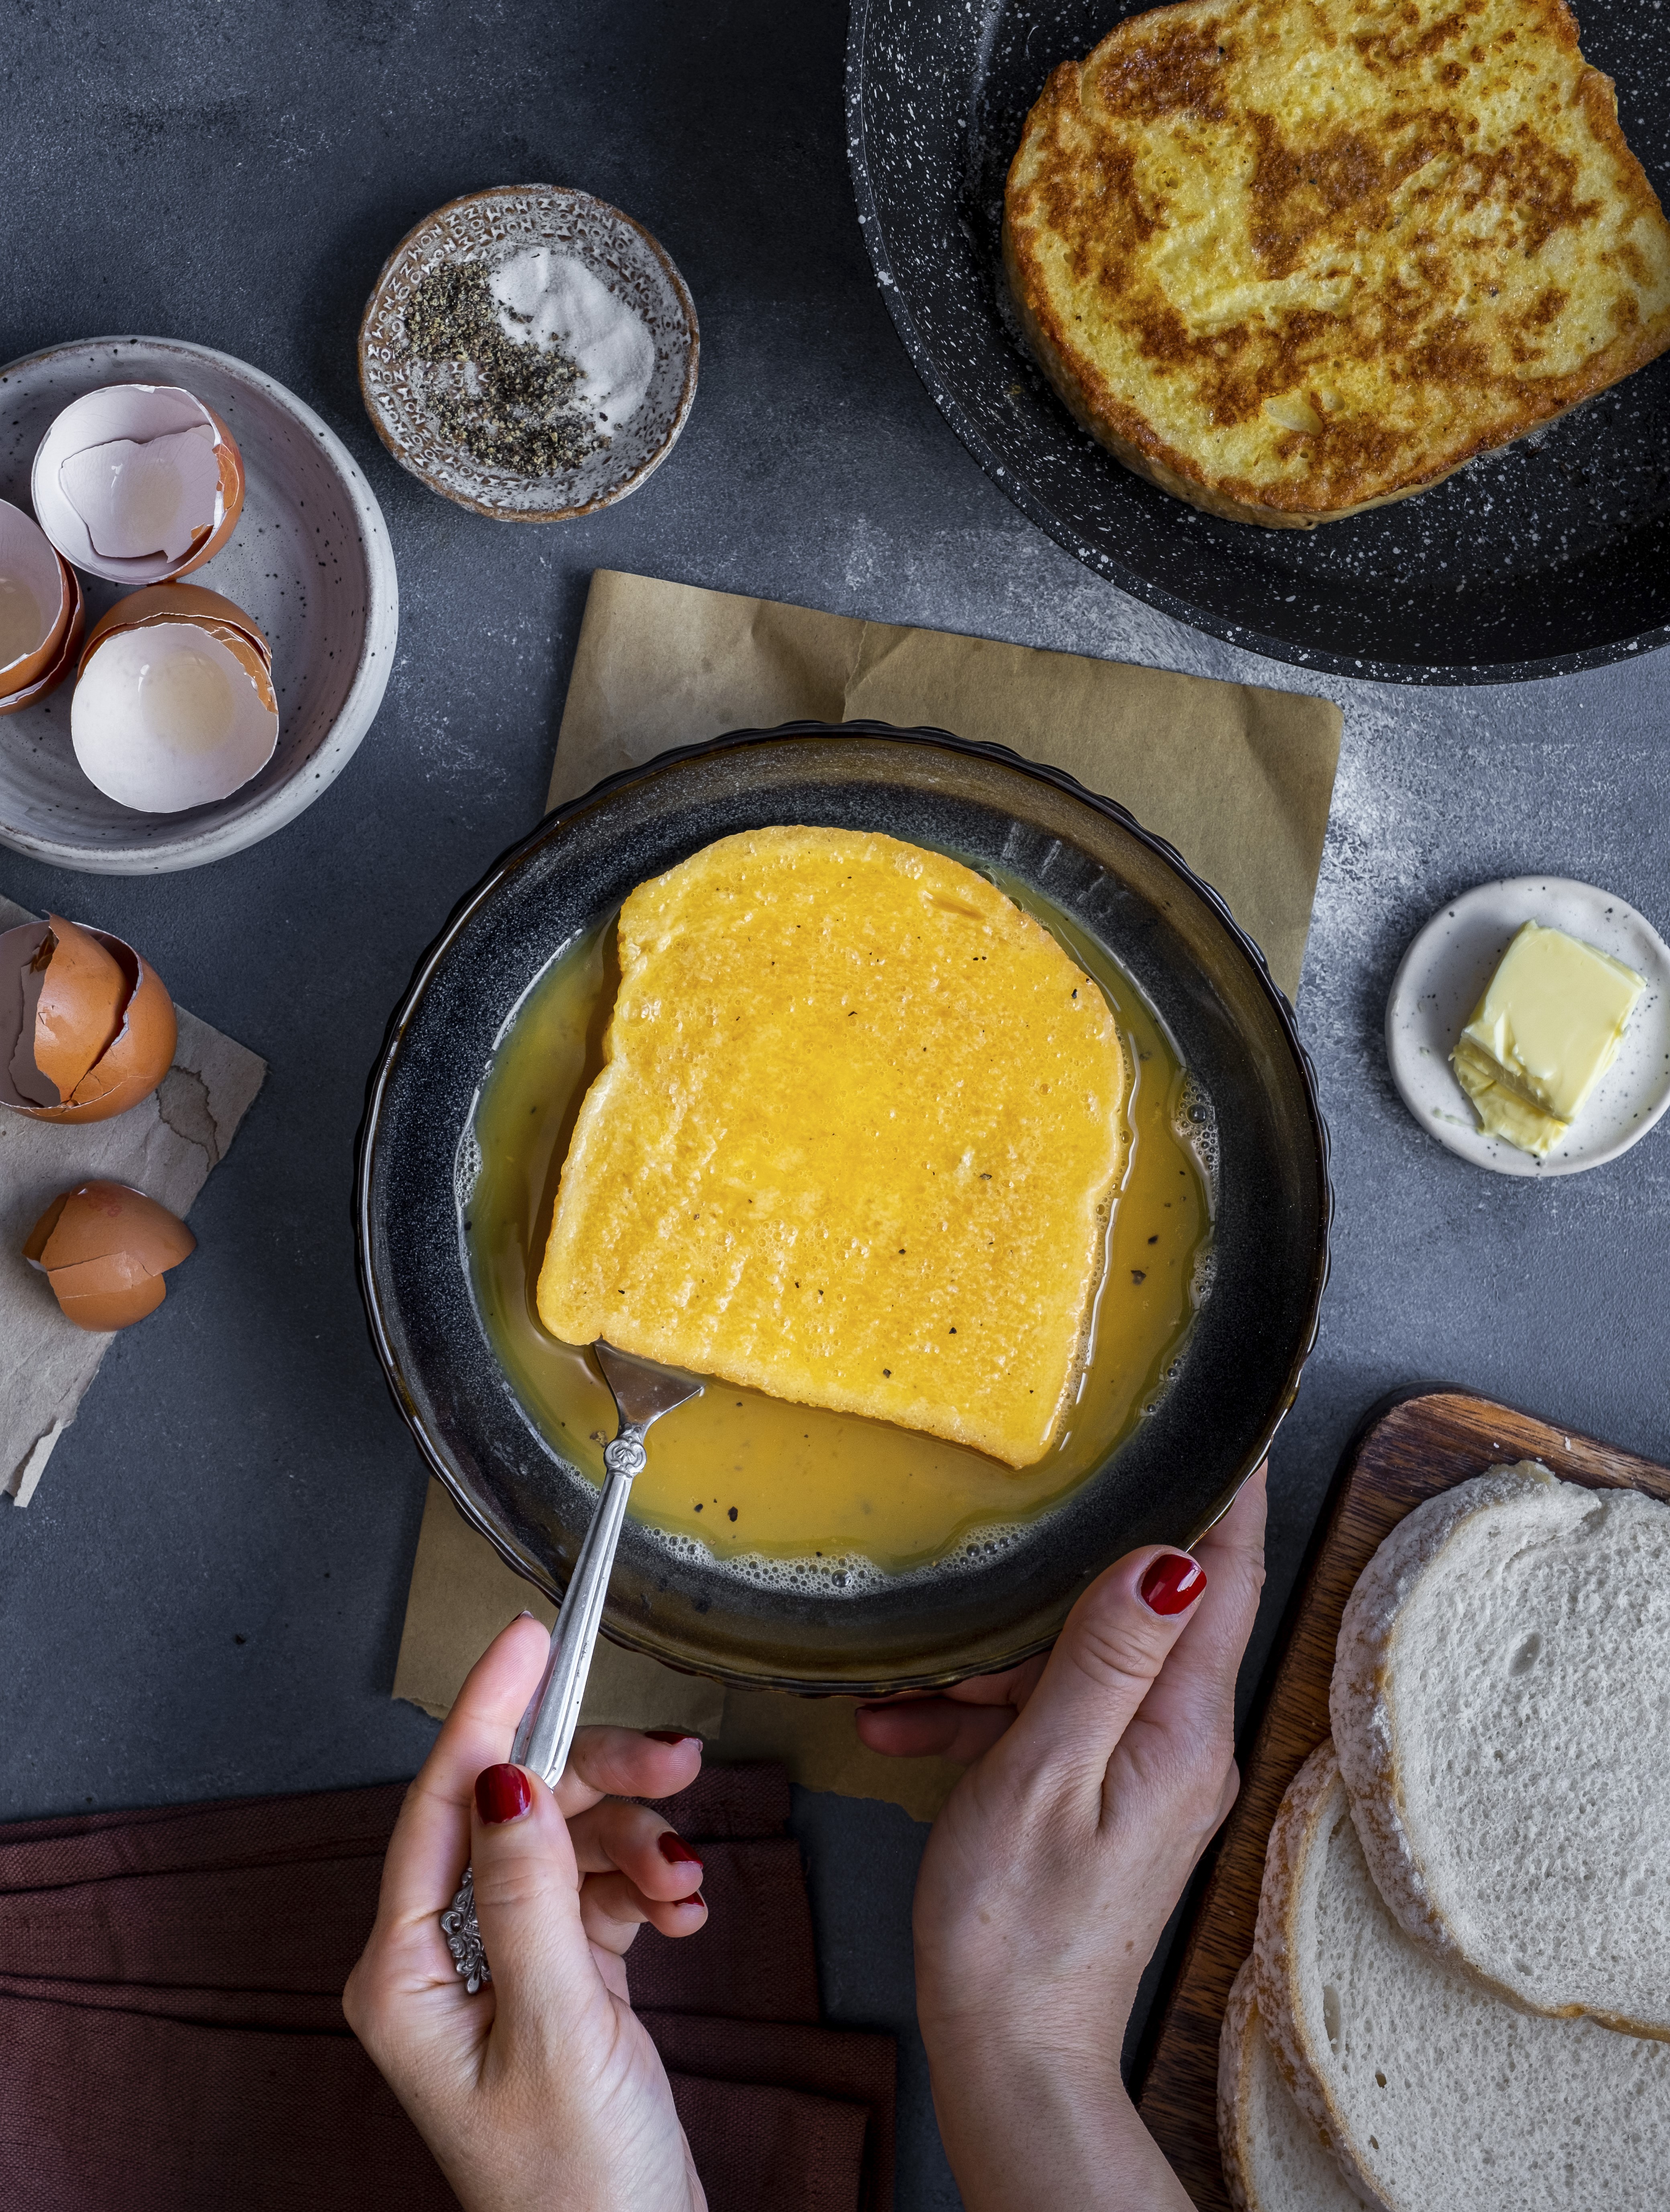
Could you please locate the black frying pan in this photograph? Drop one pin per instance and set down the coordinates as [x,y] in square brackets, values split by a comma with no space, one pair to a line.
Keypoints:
[1552,555]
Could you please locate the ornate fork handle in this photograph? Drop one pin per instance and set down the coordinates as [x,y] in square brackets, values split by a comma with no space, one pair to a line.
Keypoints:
[547,1729]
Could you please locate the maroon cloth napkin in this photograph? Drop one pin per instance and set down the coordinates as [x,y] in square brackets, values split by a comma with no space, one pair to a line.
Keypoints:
[172,2035]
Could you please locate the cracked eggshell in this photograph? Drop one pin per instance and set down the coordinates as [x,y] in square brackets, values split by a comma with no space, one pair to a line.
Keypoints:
[104,1248]
[41,602]
[175,706]
[166,603]
[79,1043]
[139,482]
[66,657]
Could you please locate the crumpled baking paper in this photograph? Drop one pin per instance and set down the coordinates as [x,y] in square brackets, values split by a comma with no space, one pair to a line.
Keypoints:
[1239,779]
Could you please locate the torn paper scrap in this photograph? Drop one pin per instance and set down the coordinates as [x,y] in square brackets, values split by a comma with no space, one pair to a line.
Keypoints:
[26,1476]
[164,1146]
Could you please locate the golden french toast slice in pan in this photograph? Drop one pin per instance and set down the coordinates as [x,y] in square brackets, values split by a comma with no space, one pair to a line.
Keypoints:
[854,1144]
[1294,258]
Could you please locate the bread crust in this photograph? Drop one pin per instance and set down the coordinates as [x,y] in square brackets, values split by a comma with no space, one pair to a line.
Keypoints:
[1316,1799]
[1088,192]
[1363,1717]
[1234,2086]
[1361,1708]
[1237,2051]
[1360,1698]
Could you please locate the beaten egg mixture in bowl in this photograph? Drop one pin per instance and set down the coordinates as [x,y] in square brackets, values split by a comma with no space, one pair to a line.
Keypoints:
[755,1476]
[927,1110]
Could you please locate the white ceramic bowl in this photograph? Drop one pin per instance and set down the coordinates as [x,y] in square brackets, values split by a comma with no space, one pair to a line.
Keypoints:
[1441,977]
[310,560]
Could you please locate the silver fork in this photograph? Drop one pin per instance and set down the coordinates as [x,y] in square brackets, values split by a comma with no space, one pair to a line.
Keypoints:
[642,1393]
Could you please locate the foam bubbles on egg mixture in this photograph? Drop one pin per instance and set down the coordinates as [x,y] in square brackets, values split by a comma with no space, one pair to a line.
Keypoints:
[838,1575]
[847,1574]
[552,300]
[1196,1124]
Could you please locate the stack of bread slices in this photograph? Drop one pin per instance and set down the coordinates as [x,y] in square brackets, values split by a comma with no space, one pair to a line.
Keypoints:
[1459,1993]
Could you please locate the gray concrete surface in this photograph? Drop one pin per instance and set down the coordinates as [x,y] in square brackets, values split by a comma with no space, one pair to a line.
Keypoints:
[205,1597]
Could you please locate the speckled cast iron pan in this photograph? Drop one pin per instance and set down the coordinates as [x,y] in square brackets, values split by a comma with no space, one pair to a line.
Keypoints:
[1172,934]
[1552,555]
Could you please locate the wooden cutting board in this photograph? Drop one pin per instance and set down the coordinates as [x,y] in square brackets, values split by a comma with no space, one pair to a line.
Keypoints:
[1421,1446]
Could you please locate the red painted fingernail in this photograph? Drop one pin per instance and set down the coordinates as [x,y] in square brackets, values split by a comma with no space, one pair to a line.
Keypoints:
[675,1851]
[1173,1583]
[695,1898]
[672,1736]
[502,1793]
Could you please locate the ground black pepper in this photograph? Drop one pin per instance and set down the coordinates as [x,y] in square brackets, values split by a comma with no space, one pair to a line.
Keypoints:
[520,409]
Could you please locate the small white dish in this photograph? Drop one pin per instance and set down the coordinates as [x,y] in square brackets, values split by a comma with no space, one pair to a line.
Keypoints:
[1441,977]
[310,560]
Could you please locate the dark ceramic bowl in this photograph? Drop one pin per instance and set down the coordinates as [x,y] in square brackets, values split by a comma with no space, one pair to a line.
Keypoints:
[1173,935]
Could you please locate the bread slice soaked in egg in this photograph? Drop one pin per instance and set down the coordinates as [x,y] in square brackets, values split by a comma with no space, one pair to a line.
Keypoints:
[854,1144]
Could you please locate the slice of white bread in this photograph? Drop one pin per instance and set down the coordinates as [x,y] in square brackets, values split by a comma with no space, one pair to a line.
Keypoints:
[1501,1704]
[1273,2160]
[1436,2094]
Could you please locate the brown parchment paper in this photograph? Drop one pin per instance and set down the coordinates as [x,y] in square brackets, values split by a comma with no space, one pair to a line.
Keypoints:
[1237,778]
[165,1146]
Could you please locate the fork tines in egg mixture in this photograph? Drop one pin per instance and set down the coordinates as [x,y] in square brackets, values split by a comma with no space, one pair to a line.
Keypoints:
[854,1142]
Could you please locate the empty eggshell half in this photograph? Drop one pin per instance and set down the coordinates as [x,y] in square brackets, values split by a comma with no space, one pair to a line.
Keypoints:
[104,1248]
[65,660]
[137,483]
[41,598]
[87,1028]
[175,706]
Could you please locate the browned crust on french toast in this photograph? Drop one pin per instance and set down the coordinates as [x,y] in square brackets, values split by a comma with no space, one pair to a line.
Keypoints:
[1074,178]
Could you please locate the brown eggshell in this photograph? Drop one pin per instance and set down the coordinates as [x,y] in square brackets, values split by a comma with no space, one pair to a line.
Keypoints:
[64,660]
[83,991]
[189,602]
[97,1220]
[247,654]
[230,463]
[35,1242]
[20,979]
[109,1293]
[24,545]
[105,1249]
[141,1055]
[133,1064]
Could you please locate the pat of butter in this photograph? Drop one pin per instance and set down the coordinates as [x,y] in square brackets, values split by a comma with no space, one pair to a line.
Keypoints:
[1545,1032]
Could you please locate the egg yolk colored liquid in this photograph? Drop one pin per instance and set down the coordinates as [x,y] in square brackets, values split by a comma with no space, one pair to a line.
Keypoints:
[744,1473]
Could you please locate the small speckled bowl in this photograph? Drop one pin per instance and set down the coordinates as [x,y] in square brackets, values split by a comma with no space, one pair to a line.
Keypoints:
[310,561]
[486,226]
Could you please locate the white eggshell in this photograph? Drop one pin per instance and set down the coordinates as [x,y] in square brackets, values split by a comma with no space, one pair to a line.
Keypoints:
[32,589]
[92,498]
[137,500]
[165,717]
